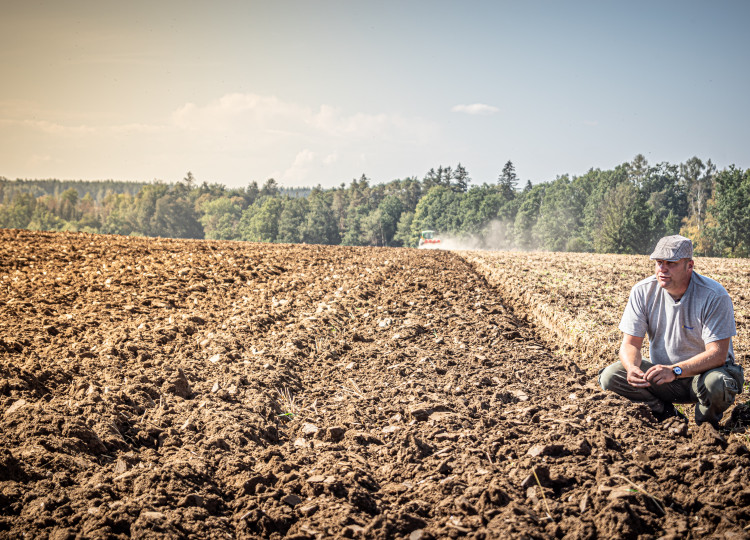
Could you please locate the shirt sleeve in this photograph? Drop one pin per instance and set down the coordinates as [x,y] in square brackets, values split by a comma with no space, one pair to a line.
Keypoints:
[718,319]
[634,320]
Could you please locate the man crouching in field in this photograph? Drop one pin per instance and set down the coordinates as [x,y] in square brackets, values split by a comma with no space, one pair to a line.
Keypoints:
[689,319]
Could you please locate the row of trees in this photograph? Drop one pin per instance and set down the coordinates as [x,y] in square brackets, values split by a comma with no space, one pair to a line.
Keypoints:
[623,210]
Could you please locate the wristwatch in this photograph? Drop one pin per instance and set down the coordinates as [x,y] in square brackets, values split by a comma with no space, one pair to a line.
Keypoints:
[677,370]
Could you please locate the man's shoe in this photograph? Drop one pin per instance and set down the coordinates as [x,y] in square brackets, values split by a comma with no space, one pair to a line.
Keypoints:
[670,411]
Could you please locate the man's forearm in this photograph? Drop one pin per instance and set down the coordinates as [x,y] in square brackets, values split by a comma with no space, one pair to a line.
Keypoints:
[700,363]
[630,356]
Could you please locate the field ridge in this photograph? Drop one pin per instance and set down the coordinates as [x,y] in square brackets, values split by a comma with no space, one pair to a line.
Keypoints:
[181,388]
[577,299]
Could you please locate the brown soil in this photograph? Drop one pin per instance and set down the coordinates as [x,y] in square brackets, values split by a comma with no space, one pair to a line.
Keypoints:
[164,388]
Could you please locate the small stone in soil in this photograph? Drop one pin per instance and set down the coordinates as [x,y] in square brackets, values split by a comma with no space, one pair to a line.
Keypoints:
[291,499]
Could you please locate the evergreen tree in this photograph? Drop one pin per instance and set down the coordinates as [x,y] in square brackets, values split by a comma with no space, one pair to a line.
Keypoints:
[665,200]
[44,220]
[388,213]
[409,190]
[623,217]
[404,236]
[507,181]
[353,236]
[18,214]
[440,177]
[600,184]
[174,217]
[461,177]
[477,208]
[292,220]
[731,209]
[560,215]
[119,214]
[269,189]
[68,202]
[260,222]
[251,194]
[360,204]
[320,224]
[637,170]
[438,210]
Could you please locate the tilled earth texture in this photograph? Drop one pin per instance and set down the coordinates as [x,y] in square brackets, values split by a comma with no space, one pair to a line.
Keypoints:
[193,389]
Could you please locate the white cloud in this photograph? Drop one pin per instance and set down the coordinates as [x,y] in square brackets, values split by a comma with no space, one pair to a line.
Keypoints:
[251,113]
[81,130]
[138,128]
[225,112]
[233,139]
[476,109]
[300,168]
[313,142]
[53,128]
[332,121]
[38,159]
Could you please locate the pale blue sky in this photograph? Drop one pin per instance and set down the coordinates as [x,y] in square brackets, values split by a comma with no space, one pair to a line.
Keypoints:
[320,92]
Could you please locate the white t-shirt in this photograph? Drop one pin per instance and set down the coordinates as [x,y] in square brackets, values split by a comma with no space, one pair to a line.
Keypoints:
[678,331]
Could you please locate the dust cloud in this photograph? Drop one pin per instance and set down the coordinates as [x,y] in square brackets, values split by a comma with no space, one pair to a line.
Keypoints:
[495,236]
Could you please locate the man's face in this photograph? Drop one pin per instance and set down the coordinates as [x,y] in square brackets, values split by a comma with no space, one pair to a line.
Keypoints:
[674,276]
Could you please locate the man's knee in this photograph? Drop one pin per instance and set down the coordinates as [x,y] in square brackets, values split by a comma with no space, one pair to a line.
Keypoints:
[719,389]
[609,376]
[716,388]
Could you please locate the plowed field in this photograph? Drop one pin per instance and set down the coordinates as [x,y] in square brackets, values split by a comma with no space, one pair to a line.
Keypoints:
[577,299]
[161,388]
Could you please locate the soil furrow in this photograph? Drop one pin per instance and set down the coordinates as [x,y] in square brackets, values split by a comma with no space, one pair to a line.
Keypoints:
[153,387]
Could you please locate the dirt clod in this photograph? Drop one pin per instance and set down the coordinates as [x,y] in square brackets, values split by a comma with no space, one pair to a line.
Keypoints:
[193,389]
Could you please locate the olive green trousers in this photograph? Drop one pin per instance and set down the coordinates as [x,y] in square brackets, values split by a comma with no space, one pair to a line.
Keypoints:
[713,392]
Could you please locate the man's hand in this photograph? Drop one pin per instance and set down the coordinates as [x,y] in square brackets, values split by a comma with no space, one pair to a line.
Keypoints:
[630,356]
[637,378]
[660,374]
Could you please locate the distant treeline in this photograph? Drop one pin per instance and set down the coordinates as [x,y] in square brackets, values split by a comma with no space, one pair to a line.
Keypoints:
[623,210]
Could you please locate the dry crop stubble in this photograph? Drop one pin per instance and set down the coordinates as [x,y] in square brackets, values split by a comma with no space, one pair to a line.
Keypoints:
[578,298]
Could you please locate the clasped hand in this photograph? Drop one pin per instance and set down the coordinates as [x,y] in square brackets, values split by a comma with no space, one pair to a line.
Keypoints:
[658,374]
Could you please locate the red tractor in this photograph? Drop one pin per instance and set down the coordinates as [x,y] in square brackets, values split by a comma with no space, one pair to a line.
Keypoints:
[428,240]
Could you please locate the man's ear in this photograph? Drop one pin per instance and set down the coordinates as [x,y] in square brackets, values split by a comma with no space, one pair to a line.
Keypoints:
[690,264]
